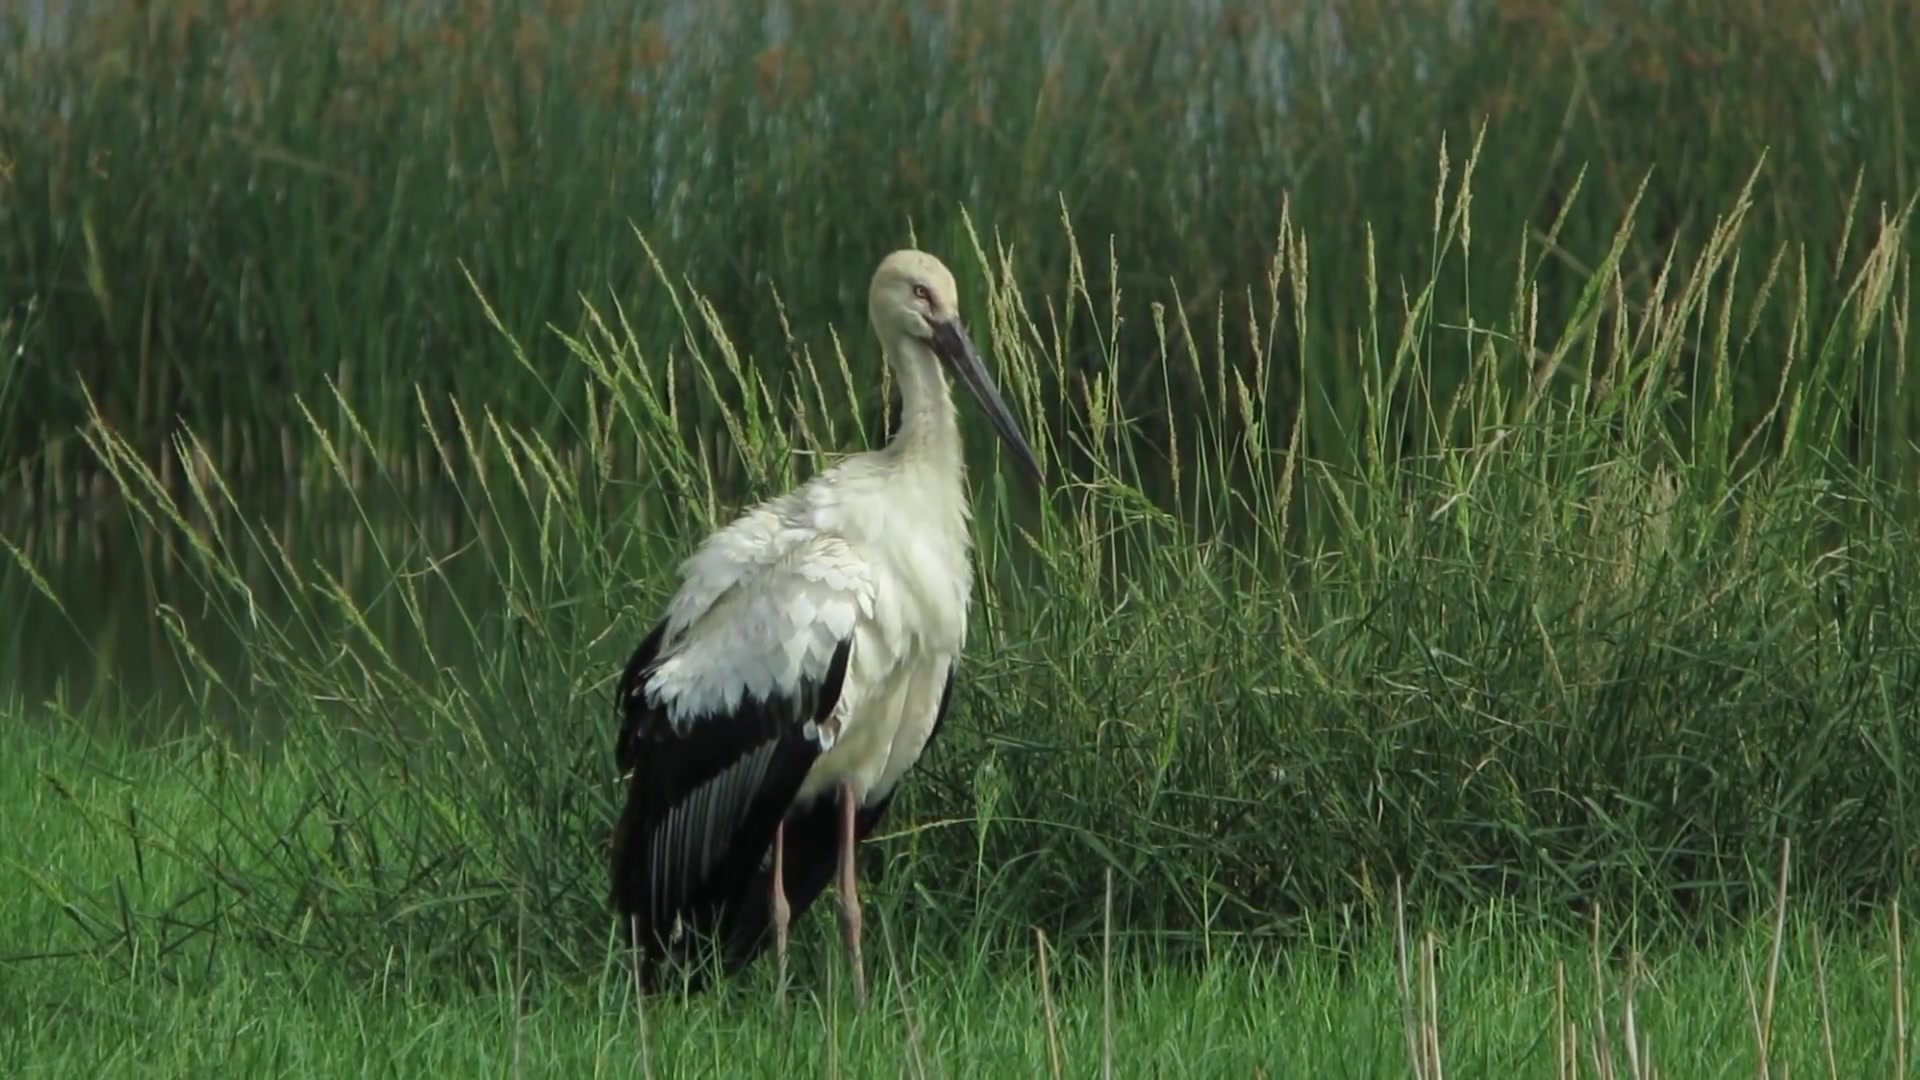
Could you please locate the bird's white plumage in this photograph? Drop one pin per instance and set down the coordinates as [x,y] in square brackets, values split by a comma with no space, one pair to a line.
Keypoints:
[764,605]
[876,548]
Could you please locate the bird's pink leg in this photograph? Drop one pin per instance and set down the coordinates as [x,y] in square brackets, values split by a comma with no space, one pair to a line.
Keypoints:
[781,912]
[850,897]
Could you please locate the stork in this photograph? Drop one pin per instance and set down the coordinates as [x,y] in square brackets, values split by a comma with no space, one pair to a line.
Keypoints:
[804,664]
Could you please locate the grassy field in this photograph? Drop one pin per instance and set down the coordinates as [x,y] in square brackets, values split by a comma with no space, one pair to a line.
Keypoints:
[1473,509]
[1493,992]
[1567,664]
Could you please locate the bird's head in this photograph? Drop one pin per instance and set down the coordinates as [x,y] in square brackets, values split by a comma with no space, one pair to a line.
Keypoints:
[912,294]
[914,300]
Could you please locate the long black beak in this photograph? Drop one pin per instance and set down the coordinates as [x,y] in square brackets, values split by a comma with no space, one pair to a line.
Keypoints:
[955,349]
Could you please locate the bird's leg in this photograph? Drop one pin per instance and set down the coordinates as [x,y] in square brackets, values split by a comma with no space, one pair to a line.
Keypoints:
[781,912]
[850,897]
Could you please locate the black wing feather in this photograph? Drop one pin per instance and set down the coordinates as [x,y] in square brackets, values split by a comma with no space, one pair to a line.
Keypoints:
[703,802]
[626,749]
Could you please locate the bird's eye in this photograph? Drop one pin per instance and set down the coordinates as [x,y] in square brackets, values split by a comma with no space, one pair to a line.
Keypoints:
[922,293]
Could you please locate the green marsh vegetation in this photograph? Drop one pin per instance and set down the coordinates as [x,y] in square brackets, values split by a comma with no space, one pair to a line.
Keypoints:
[1480,535]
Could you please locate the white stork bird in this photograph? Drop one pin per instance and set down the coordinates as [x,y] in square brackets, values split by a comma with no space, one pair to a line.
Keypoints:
[804,664]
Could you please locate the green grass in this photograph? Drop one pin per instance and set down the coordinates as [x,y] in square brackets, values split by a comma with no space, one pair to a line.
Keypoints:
[1553,640]
[1301,1016]
[1494,991]
[1557,647]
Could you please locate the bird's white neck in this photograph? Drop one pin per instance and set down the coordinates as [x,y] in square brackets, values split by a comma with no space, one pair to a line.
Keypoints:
[928,429]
